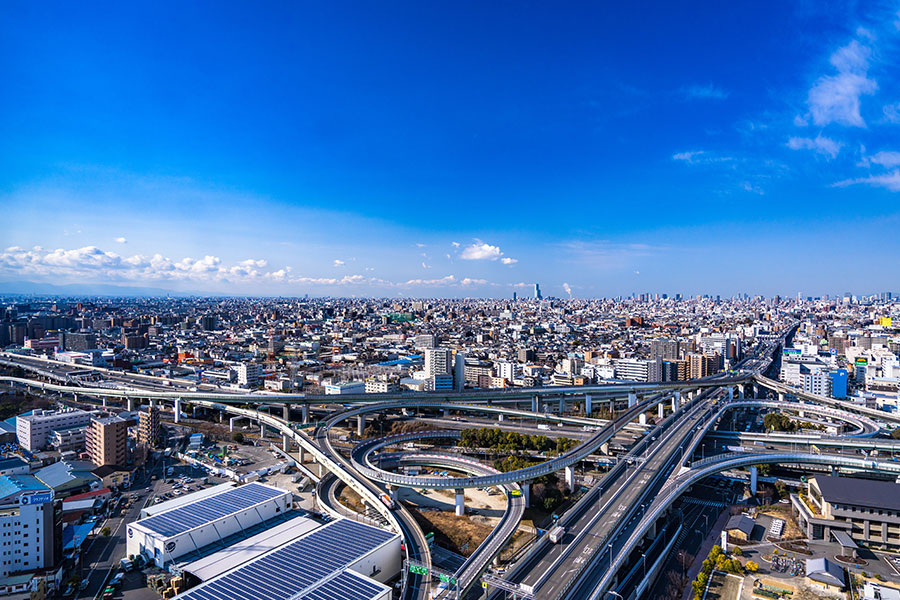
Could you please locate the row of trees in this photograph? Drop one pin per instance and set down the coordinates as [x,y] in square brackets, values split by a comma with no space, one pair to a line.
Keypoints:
[511,441]
[718,560]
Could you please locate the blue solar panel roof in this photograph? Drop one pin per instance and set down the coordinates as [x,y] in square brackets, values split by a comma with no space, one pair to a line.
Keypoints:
[209,509]
[303,569]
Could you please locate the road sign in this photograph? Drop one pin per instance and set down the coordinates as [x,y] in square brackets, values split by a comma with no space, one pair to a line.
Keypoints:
[484,584]
[447,578]
[418,569]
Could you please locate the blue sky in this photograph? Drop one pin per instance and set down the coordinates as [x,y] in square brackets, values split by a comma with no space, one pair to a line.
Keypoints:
[451,149]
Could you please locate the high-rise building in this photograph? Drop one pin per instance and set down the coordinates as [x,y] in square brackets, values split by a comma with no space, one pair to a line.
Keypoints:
[105,441]
[248,374]
[437,361]
[665,349]
[526,355]
[79,341]
[27,524]
[537,292]
[148,427]
[702,365]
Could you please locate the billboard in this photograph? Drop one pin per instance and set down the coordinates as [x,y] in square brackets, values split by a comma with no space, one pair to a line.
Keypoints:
[791,353]
[862,362]
[40,498]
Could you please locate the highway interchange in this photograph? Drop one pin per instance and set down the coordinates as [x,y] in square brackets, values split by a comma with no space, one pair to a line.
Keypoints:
[604,529]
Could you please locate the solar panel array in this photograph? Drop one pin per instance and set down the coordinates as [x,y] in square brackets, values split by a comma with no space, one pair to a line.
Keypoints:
[209,509]
[286,572]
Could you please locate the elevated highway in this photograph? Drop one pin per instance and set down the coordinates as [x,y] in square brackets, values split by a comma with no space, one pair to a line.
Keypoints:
[681,483]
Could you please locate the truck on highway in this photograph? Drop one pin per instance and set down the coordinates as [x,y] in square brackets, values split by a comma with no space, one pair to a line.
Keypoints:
[557,533]
[544,426]
[387,501]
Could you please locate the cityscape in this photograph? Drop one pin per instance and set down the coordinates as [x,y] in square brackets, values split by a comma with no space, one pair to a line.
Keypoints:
[424,301]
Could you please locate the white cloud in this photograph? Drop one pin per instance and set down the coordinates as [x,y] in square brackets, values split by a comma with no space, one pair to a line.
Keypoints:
[890,181]
[121,240]
[454,244]
[836,98]
[468,281]
[704,92]
[700,157]
[887,160]
[821,145]
[892,113]
[481,251]
[800,121]
[567,288]
[420,245]
[509,261]
[424,266]
[339,263]
[749,187]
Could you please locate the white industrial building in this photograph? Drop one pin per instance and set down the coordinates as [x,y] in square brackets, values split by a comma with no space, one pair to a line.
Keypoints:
[33,431]
[209,519]
[342,559]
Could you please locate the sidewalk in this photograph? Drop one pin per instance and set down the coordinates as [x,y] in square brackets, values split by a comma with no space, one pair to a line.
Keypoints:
[714,537]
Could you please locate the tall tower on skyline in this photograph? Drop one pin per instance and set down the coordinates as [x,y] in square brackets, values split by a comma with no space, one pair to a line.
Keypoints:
[537,291]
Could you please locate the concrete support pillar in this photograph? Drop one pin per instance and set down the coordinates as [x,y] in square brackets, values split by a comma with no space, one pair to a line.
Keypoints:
[360,425]
[231,423]
[221,416]
[651,532]
[526,492]
[753,477]
[286,412]
[501,417]
[642,419]
[394,493]
[460,503]
[153,402]
[660,410]
[802,414]
[632,399]
[177,410]
[570,477]
[730,393]
[262,430]
[104,401]
[781,396]
[285,442]
[604,449]
[676,401]
[304,413]
[534,404]
[741,391]
[75,397]
[562,405]
[129,404]
[300,455]
[587,405]
[834,471]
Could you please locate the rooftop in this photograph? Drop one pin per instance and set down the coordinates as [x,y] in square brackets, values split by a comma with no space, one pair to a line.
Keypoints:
[209,509]
[314,567]
[859,492]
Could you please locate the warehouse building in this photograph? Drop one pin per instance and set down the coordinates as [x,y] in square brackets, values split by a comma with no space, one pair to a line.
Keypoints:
[168,535]
[342,559]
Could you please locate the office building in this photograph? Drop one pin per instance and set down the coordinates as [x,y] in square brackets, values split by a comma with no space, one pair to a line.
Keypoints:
[349,387]
[381,386]
[537,292]
[665,349]
[78,342]
[106,441]
[632,369]
[33,431]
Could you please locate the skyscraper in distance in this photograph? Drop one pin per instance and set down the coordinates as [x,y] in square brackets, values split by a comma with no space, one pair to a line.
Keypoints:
[537,292]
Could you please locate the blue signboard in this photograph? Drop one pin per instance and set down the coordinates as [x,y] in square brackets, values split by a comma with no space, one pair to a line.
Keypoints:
[36,498]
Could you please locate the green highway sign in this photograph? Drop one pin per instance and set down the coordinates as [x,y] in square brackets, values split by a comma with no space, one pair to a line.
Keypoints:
[447,578]
[418,570]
